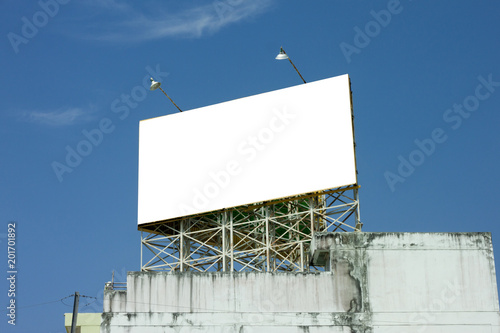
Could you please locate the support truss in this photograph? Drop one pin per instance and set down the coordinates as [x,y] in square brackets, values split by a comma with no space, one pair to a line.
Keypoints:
[266,237]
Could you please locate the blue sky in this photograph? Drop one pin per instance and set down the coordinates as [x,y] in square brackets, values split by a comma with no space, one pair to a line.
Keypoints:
[426,94]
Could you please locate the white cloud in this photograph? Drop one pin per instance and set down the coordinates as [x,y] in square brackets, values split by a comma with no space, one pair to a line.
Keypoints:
[60,117]
[128,24]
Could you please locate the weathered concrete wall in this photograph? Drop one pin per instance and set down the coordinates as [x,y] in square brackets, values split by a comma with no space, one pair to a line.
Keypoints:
[419,282]
[225,302]
[378,282]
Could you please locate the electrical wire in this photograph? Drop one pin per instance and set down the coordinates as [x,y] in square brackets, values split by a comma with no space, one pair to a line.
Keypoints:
[39,304]
[88,303]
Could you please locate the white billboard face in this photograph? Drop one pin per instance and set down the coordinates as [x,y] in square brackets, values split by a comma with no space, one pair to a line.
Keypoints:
[273,145]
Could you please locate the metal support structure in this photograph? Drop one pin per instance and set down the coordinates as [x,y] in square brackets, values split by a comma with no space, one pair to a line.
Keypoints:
[269,236]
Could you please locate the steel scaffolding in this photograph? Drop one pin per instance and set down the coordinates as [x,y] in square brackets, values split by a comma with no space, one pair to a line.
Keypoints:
[266,237]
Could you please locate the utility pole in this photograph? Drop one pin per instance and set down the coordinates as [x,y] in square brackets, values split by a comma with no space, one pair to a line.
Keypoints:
[75,312]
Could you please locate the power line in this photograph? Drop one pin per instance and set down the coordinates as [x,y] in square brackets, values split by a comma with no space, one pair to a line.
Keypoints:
[59,300]
[89,303]
[39,304]
[69,305]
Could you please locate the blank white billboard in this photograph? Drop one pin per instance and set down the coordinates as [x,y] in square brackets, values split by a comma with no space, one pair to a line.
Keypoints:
[268,146]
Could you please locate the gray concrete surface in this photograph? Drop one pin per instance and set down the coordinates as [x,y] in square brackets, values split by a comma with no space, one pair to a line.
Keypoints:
[376,282]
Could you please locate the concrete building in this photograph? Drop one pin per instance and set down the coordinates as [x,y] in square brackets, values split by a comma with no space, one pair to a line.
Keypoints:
[373,282]
[85,322]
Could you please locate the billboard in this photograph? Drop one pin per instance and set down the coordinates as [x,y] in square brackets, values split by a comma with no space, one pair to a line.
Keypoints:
[268,146]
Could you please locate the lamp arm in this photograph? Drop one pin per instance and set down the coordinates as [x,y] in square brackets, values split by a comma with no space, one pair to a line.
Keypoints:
[296,69]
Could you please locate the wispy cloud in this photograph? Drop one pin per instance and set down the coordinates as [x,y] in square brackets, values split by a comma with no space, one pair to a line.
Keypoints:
[127,23]
[59,117]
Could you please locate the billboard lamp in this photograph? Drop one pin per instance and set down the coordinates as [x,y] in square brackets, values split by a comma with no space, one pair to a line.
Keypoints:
[155,85]
[282,56]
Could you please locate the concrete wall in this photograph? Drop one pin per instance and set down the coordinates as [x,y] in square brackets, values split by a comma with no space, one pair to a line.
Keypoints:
[85,322]
[378,282]
[419,282]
